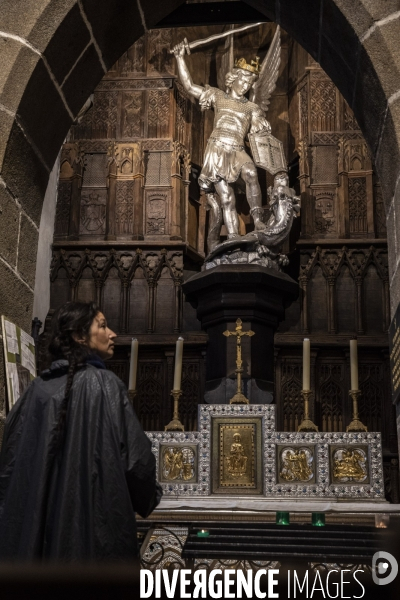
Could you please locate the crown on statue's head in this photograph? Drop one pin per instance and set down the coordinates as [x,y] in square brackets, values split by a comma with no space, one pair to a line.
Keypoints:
[253,67]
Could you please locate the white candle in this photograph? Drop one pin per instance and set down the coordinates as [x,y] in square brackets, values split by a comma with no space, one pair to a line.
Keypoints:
[353,365]
[178,364]
[133,364]
[306,364]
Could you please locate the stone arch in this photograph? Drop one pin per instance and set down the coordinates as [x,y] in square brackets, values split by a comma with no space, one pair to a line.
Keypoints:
[54,52]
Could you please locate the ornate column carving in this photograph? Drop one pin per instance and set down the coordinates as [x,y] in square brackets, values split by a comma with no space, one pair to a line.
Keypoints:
[177,193]
[150,311]
[358,280]
[70,183]
[98,283]
[126,178]
[386,303]
[125,305]
[331,304]
[343,193]
[303,281]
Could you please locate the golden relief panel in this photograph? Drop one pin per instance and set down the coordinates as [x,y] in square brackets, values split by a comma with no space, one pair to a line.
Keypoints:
[178,463]
[296,464]
[349,464]
[238,468]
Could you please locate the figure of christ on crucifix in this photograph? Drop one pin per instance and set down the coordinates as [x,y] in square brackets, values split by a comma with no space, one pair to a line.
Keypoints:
[239,397]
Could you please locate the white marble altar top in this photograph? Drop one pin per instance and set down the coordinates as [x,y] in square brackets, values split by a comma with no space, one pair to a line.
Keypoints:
[268,505]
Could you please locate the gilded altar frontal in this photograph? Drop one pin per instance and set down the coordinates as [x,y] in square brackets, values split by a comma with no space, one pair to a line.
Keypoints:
[237,448]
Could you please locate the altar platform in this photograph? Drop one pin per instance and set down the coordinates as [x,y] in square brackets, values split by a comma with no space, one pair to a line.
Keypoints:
[263,509]
[236,473]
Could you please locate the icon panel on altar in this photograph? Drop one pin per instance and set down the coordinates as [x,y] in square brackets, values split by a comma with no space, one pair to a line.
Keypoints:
[349,464]
[295,464]
[178,463]
[237,448]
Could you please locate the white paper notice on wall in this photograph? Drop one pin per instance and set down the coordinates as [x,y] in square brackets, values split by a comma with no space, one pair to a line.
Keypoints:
[20,360]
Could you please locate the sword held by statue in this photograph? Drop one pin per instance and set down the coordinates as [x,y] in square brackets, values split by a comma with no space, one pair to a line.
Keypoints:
[190,45]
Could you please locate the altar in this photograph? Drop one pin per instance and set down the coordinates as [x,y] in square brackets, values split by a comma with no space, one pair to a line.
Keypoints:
[238,470]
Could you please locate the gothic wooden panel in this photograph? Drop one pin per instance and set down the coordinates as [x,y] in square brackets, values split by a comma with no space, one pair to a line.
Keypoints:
[60,291]
[317,295]
[120,368]
[349,119]
[158,113]
[191,394]
[358,206]
[63,208]
[330,379]
[325,212]
[149,403]
[104,115]
[379,212]
[124,208]
[133,61]
[156,211]
[373,299]
[112,299]
[164,314]
[303,107]
[290,401]
[86,289]
[372,387]
[139,298]
[158,168]
[93,211]
[325,164]
[323,105]
[345,294]
[160,61]
[95,171]
[132,124]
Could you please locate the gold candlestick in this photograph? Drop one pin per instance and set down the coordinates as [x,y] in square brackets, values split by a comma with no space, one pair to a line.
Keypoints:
[356,424]
[238,398]
[175,424]
[307,424]
[132,396]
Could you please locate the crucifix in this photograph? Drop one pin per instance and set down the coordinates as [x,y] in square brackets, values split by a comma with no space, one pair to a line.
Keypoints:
[239,398]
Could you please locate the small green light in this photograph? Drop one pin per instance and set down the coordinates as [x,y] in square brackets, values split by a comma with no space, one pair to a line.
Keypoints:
[318,519]
[282,518]
[203,533]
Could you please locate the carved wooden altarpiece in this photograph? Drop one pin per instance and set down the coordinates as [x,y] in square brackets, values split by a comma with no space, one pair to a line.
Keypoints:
[131,226]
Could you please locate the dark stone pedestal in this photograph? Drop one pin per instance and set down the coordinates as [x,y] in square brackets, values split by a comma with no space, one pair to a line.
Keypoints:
[258,296]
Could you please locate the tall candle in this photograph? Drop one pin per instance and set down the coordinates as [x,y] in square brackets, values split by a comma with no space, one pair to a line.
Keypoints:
[178,364]
[306,364]
[133,364]
[353,365]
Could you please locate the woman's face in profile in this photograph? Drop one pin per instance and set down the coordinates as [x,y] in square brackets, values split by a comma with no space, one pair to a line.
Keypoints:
[101,337]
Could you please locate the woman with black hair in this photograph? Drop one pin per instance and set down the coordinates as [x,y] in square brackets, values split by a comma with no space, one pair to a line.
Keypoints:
[75,463]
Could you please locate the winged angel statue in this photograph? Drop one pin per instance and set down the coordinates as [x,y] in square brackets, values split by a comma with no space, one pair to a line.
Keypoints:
[226,159]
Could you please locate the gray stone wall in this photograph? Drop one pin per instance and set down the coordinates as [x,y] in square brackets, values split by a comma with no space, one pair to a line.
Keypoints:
[18,247]
[41,301]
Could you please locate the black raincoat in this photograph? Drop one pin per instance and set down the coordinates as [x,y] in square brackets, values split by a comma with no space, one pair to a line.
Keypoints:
[77,503]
